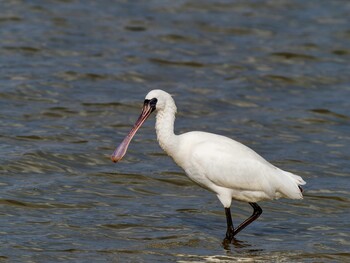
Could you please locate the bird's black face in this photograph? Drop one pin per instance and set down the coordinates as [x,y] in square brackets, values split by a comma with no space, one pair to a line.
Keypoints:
[148,107]
[152,103]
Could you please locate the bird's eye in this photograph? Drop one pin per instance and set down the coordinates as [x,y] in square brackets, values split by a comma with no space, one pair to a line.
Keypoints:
[153,102]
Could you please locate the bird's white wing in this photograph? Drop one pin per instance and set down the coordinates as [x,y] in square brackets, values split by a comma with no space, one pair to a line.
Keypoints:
[230,164]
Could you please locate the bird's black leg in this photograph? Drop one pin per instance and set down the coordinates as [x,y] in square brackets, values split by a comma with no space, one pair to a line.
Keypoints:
[256,213]
[230,230]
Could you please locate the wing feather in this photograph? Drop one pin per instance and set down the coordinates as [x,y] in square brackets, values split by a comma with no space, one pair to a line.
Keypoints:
[233,165]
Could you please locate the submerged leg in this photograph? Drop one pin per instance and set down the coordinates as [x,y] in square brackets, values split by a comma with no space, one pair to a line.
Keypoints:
[230,230]
[256,213]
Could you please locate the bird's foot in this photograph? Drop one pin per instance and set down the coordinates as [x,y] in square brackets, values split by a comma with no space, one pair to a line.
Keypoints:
[228,240]
[230,233]
[235,243]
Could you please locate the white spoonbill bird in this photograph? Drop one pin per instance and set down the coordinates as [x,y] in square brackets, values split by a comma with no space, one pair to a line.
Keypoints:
[226,167]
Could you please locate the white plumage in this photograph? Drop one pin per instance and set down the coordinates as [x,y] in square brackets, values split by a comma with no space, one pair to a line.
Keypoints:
[226,167]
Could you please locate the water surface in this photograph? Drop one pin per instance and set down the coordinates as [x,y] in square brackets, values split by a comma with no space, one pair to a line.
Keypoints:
[271,74]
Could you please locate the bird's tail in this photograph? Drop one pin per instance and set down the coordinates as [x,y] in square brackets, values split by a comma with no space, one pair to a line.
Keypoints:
[291,185]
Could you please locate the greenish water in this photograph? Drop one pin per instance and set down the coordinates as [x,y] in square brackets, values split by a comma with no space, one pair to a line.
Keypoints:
[271,74]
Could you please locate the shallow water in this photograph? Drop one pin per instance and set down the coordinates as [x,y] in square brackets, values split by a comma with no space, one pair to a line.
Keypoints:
[271,74]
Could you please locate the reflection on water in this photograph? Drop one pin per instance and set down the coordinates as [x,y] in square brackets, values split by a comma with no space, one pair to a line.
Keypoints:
[273,75]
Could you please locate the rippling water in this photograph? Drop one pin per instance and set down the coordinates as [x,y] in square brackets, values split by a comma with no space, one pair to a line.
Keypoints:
[271,74]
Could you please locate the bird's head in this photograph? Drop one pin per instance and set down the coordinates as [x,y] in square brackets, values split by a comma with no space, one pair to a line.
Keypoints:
[159,99]
[154,100]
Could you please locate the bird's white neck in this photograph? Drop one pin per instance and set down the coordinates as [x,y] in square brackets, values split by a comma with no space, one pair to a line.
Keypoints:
[165,128]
